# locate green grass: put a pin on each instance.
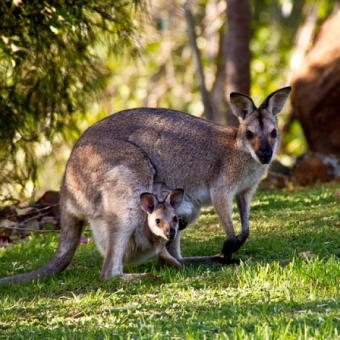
(273, 294)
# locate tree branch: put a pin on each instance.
(208, 112)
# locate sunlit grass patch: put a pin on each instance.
(278, 292)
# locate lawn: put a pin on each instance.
(287, 286)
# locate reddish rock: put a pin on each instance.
(316, 90)
(314, 168)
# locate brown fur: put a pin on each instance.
(122, 156)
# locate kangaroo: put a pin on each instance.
(212, 163)
(122, 156)
(160, 228)
(130, 224)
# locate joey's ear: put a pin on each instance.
(276, 101)
(175, 197)
(149, 202)
(241, 105)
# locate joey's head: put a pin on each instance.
(162, 217)
(258, 131)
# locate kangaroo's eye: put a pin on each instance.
(175, 219)
(274, 134)
(249, 134)
(158, 221)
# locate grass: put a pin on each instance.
(274, 294)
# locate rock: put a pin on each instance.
(278, 177)
(274, 180)
(314, 168)
(316, 91)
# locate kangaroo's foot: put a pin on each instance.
(232, 245)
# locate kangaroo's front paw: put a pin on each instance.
(231, 246)
(240, 240)
(237, 245)
(228, 248)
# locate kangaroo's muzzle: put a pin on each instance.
(265, 153)
(265, 156)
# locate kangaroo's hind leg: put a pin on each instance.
(112, 235)
(113, 258)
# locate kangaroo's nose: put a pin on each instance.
(265, 153)
(265, 156)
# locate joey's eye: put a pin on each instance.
(158, 221)
(175, 219)
(249, 134)
(274, 134)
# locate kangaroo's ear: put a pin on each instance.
(276, 101)
(175, 197)
(149, 202)
(241, 105)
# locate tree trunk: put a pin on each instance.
(237, 57)
(233, 61)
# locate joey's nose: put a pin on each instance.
(171, 234)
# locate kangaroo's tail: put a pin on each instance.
(71, 228)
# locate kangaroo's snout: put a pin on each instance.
(265, 156)
(265, 153)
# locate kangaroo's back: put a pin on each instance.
(145, 126)
(172, 140)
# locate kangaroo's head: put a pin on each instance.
(258, 130)
(162, 216)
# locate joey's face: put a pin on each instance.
(162, 216)
(163, 221)
(260, 135)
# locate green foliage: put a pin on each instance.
(60, 72)
(51, 64)
(276, 25)
(273, 294)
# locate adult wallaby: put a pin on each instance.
(212, 163)
(121, 156)
(132, 218)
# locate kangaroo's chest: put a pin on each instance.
(250, 177)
